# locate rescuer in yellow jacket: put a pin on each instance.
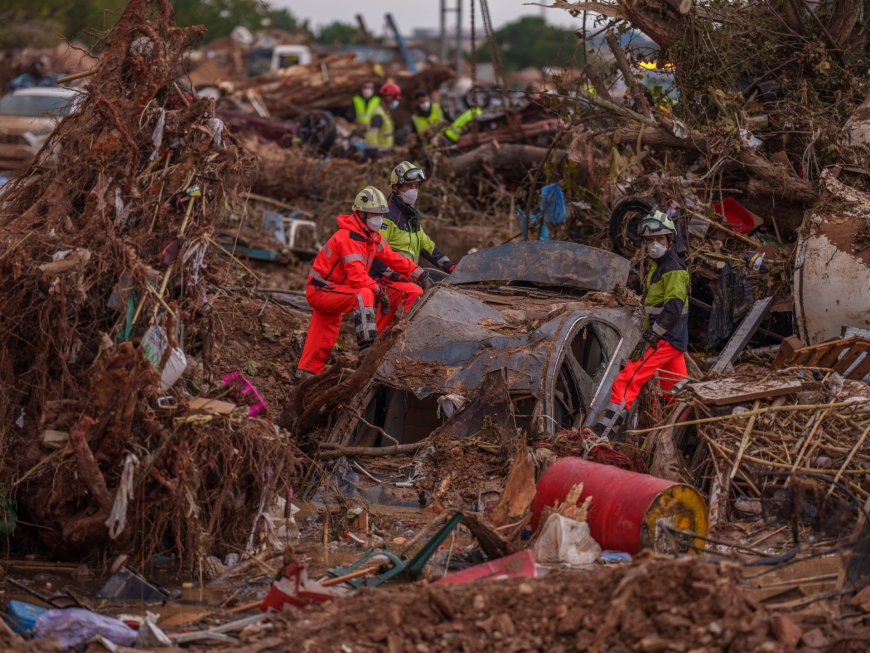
(364, 104)
(428, 117)
(380, 128)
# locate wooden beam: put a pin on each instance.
(741, 337)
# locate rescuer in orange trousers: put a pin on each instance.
(339, 281)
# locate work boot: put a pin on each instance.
(303, 375)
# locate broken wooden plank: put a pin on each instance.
(741, 337)
(727, 391)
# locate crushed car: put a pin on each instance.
(550, 318)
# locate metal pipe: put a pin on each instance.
(442, 30)
(459, 38)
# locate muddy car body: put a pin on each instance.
(540, 317)
(27, 118)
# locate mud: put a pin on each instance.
(654, 605)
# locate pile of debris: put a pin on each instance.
(105, 249)
(655, 605)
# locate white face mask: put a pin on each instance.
(367, 93)
(409, 196)
(656, 249)
(374, 222)
(394, 104)
(425, 107)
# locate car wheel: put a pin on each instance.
(624, 223)
(317, 130)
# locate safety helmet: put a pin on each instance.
(370, 200)
(657, 224)
(406, 172)
(390, 90)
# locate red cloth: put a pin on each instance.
(401, 293)
(349, 253)
(329, 305)
(666, 361)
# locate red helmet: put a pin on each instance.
(390, 90)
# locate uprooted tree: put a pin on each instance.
(104, 251)
(787, 72)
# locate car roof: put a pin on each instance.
(59, 91)
(546, 262)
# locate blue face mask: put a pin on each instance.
(394, 104)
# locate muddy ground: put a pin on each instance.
(653, 605)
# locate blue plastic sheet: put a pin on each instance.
(553, 211)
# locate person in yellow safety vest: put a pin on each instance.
(428, 116)
(379, 132)
(454, 130)
(364, 104)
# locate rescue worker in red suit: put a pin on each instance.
(339, 281)
(665, 325)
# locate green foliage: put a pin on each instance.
(51, 20)
(36, 24)
(530, 41)
(338, 32)
(221, 16)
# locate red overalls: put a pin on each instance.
(339, 283)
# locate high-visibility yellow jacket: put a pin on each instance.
(363, 108)
(454, 131)
(379, 135)
(430, 123)
(666, 301)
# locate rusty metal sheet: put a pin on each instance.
(545, 262)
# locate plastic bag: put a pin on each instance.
(566, 541)
(74, 627)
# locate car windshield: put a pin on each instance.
(48, 106)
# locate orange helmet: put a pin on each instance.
(390, 90)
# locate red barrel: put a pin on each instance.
(625, 505)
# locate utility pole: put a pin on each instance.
(442, 24)
(459, 38)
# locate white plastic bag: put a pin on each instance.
(566, 541)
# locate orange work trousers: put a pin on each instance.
(330, 304)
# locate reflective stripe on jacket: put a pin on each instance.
(379, 135)
(347, 257)
(363, 108)
(454, 131)
(429, 123)
(405, 236)
(666, 302)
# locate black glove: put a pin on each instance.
(651, 338)
(383, 301)
(637, 352)
(424, 281)
(392, 275)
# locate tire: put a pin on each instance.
(317, 130)
(624, 221)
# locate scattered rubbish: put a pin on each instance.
(293, 587)
(389, 566)
(737, 215)
(256, 404)
(127, 585)
(518, 565)
(614, 557)
(22, 616)
(628, 509)
(74, 627)
(565, 541)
